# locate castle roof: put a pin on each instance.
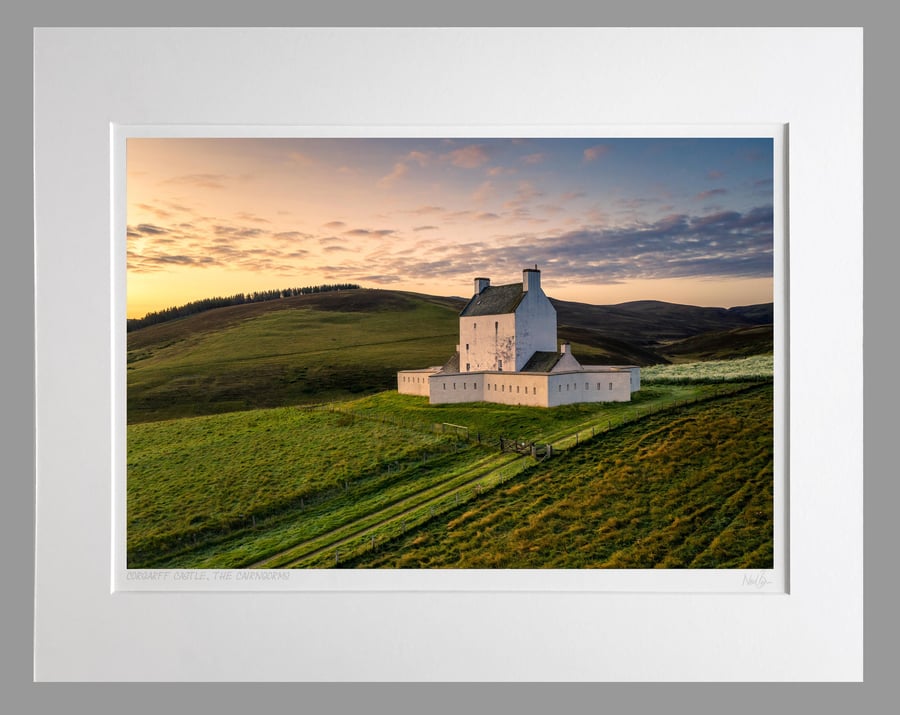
(494, 300)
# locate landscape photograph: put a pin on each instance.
(450, 353)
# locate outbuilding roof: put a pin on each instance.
(541, 361)
(494, 300)
(452, 365)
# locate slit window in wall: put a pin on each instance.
(468, 367)
(500, 365)
(587, 386)
(610, 386)
(598, 385)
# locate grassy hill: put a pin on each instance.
(297, 350)
(343, 344)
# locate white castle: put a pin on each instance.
(508, 353)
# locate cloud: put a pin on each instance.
(237, 231)
(155, 210)
(206, 181)
(425, 228)
(533, 158)
(334, 224)
(244, 216)
(715, 174)
(469, 157)
(386, 182)
(366, 232)
(704, 195)
(401, 168)
(486, 216)
(595, 152)
(291, 235)
(424, 210)
(572, 195)
(720, 244)
(420, 157)
(495, 171)
(148, 229)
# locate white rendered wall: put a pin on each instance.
(516, 388)
(413, 382)
(485, 339)
(456, 388)
(531, 389)
(535, 326)
(567, 388)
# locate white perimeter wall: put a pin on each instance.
(413, 382)
(537, 390)
(568, 387)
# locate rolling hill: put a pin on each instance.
(328, 346)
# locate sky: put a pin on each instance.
(607, 220)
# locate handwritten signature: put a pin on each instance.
(757, 580)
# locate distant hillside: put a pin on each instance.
(652, 323)
(720, 345)
(340, 344)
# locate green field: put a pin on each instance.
(291, 487)
(686, 490)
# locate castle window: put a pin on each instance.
(598, 385)
(464, 386)
(500, 365)
(445, 385)
(560, 387)
(502, 388)
(468, 366)
(587, 386)
(474, 385)
(610, 386)
(567, 386)
(517, 388)
(454, 385)
(467, 346)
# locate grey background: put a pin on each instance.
(17, 435)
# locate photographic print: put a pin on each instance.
(451, 352)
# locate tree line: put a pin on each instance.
(257, 296)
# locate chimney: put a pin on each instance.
(481, 284)
(531, 279)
